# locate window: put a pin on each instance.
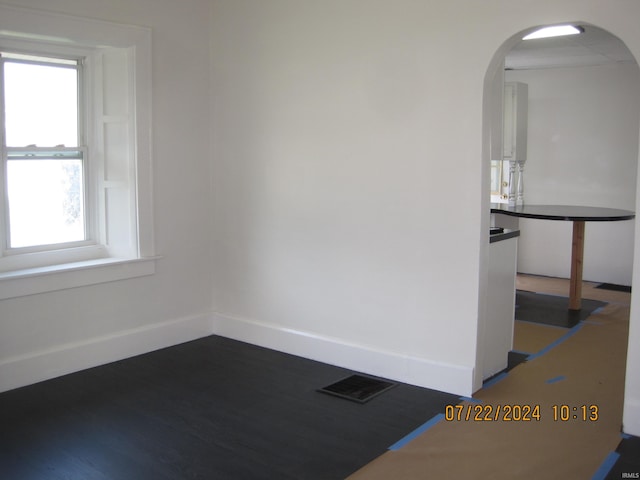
(43, 152)
(75, 176)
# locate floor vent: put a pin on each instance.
(358, 388)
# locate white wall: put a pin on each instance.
(341, 221)
(352, 177)
(582, 150)
(50, 334)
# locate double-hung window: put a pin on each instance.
(44, 156)
(75, 139)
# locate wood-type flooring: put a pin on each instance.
(209, 409)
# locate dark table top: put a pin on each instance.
(564, 212)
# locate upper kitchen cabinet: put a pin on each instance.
(515, 122)
(507, 173)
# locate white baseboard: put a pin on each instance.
(413, 370)
(37, 366)
(43, 365)
(631, 417)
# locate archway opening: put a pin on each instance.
(579, 152)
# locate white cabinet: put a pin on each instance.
(515, 121)
(497, 329)
(516, 110)
(507, 170)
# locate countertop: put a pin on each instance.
(564, 212)
(506, 234)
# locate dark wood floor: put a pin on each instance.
(627, 459)
(209, 409)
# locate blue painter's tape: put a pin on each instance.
(557, 379)
(626, 436)
(417, 432)
(551, 346)
(469, 399)
(606, 466)
(597, 310)
(494, 380)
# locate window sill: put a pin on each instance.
(20, 283)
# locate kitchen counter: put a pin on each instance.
(564, 212)
(505, 234)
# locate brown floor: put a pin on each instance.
(585, 367)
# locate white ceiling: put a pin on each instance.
(592, 47)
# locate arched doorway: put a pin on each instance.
(492, 92)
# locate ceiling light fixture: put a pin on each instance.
(555, 31)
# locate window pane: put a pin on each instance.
(46, 203)
(41, 105)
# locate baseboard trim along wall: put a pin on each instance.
(631, 417)
(35, 367)
(43, 365)
(413, 370)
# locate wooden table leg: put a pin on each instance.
(577, 254)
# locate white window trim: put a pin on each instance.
(32, 281)
(99, 263)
